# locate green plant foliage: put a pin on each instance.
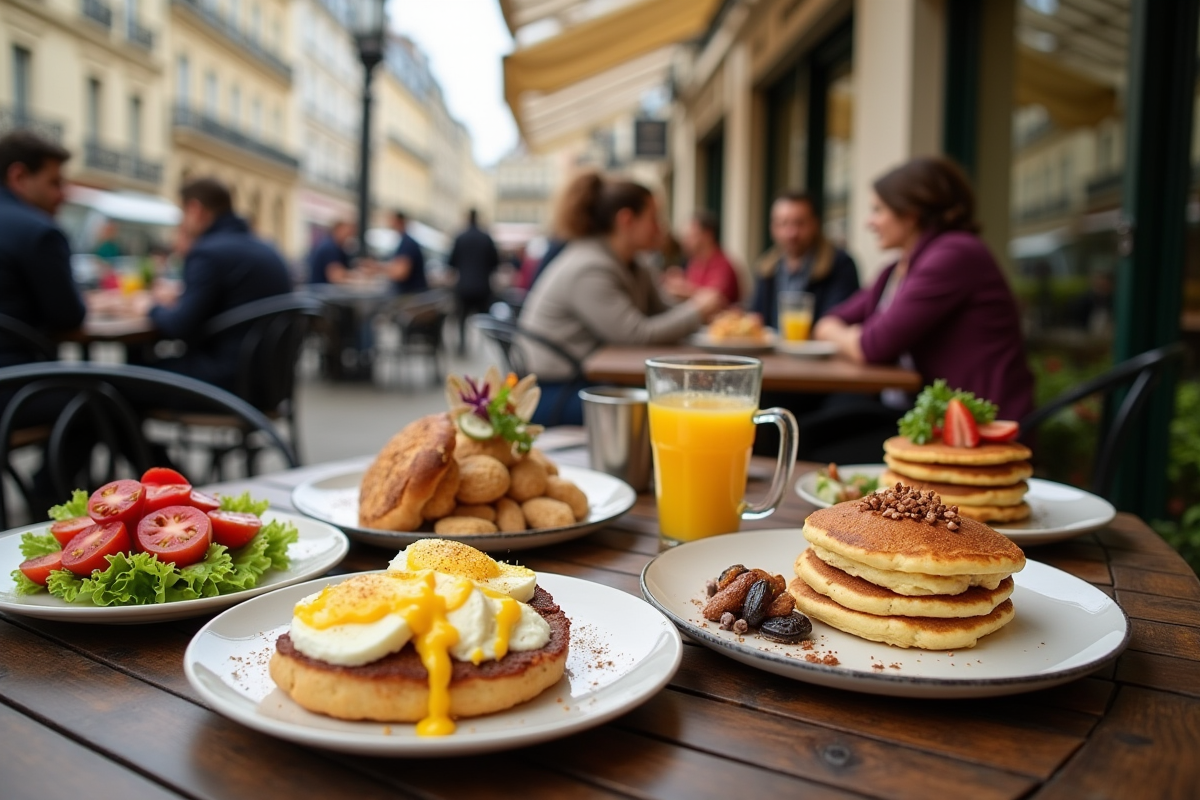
(1184, 535)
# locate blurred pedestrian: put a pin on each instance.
(329, 262)
(944, 307)
(801, 259)
(36, 285)
(475, 258)
(707, 264)
(406, 269)
(225, 267)
(597, 293)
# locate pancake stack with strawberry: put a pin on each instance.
(950, 443)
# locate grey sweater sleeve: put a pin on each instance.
(605, 308)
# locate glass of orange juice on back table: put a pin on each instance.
(702, 416)
(796, 315)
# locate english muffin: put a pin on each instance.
(857, 594)
(938, 452)
(987, 475)
(927, 633)
(405, 474)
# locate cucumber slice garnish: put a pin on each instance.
(476, 427)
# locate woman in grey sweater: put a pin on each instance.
(595, 292)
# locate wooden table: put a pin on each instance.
(626, 366)
(106, 711)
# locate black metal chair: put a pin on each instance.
(509, 337)
(272, 332)
(40, 348)
(421, 321)
(1141, 374)
(108, 402)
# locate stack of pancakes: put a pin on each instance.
(905, 582)
(987, 482)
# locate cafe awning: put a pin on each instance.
(1072, 98)
(593, 68)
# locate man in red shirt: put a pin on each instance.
(707, 265)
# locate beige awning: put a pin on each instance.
(626, 50)
(1071, 98)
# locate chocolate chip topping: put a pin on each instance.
(904, 502)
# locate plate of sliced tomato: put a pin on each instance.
(157, 549)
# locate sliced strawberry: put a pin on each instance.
(1002, 430)
(960, 429)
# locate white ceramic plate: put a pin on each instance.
(1057, 511)
(227, 663)
(334, 499)
(319, 548)
(806, 349)
(1064, 628)
(735, 347)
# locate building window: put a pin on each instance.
(255, 22)
(256, 118)
(235, 106)
(210, 94)
(93, 108)
(235, 13)
(22, 63)
(183, 80)
(135, 123)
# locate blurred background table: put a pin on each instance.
(626, 366)
(109, 706)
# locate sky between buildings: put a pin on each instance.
(465, 41)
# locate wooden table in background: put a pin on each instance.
(626, 366)
(105, 711)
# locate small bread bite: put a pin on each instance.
(546, 512)
(560, 489)
(482, 479)
(497, 448)
(509, 516)
(480, 510)
(463, 526)
(528, 480)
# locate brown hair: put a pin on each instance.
(934, 190)
(210, 193)
(590, 204)
(798, 196)
(707, 221)
(26, 147)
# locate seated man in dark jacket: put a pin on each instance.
(36, 286)
(226, 267)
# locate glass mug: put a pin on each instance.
(702, 416)
(796, 315)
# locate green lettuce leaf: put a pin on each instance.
(34, 545)
(929, 411)
(75, 507)
(278, 536)
(244, 504)
(22, 585)
(65, 584)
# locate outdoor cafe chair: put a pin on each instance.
(107, 403)
(420, 320)
(272, 332)
(509, 337)
(1141, 374)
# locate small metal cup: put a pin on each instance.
(618, 428)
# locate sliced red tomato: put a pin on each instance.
(176, 534)
(38, 569)
(960, 429)
(1002, 430)
(67, 529)
(87, 551)
(157, 476)
(204, 502)
(234, 528)
(119, 501)
(161, 495)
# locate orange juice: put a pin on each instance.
(701, 446)
(796, 325)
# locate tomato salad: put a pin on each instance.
(155, 540)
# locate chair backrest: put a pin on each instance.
(39, 347)
(111, 399)
(509, 337)
(1141, 374)
(273, 331)
(425, 311)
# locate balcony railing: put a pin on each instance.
(131, 165)
(208, 13)
(1045, 209)
(98, 11)
(345, 184)
(185, 117)
(139, 34)
(12, 119)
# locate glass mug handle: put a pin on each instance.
(789, 435)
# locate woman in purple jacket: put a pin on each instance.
(945, 308)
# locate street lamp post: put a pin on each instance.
(369, 26)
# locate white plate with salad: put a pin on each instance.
(134, 588)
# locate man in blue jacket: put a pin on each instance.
(226, 267)
(36, 286)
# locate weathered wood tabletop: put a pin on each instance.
(626, 366)
(105, 711)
